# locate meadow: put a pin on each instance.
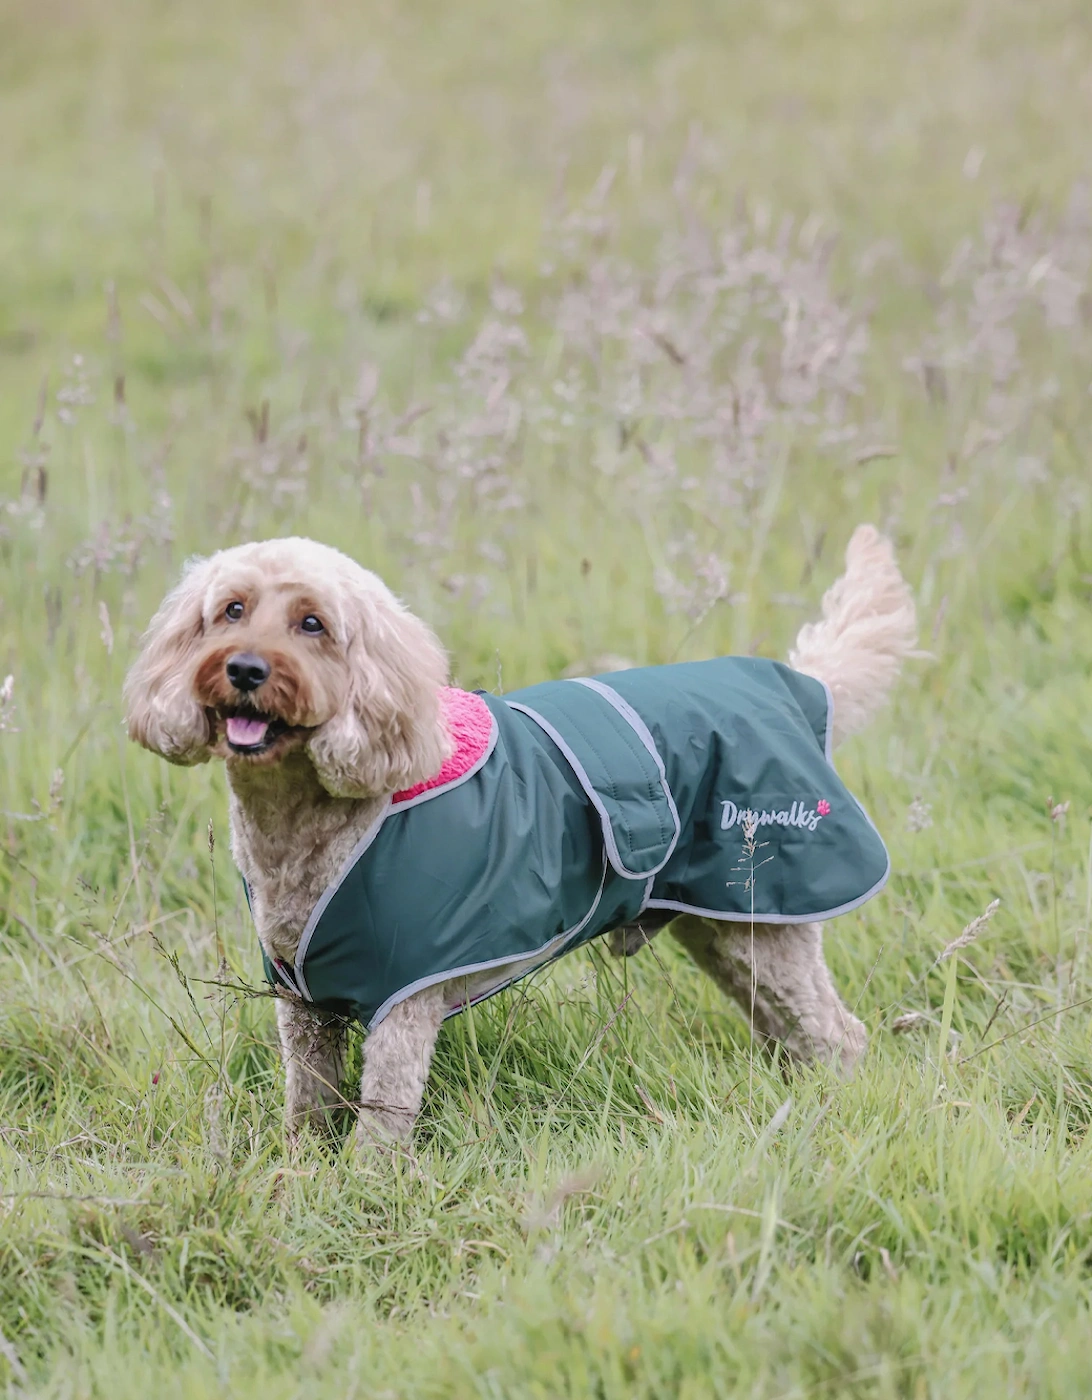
(594, 329)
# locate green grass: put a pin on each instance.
(439, 285)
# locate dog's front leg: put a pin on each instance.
(312, 1046)
(397, 1055)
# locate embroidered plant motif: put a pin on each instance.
(823, 807)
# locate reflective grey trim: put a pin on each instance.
(543, 955)
(641, 729)
(366, 840)
(328, 894)
(794, 918)
(455, 782)
(631, 717)
(593, 796)
(286, 974)
(746, 918)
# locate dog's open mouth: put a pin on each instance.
(249, 733)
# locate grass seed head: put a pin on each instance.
(969, 934)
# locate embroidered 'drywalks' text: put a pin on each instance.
(803, 815)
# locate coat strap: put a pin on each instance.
(610, 750)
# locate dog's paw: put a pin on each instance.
(850, 1046)
(380, 1137)
(839, 1045)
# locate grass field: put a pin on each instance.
(593, 328)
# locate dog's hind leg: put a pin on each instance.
(627, 939)
(778, 976)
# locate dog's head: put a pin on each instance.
(285, 645)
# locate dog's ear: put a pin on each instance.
(160, 710)
(389, 733)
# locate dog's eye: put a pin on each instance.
(312, 624)
(234, 611)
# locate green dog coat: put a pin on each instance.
(573, 807)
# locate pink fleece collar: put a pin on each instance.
(470, 725)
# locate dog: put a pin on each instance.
(328, 701)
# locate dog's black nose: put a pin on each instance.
(246, 671)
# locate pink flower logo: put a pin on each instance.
(823, 807)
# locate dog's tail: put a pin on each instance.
(868, 626)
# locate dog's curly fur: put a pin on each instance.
(357, 717)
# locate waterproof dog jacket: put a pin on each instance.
(572, 807)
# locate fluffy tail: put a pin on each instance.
(869, 625)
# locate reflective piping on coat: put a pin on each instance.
(437, 791)
(793, 919)
(537, 959)
(328, 894)
(362, 845)
(286, 974)
(626, 710)
(594, 798)
(641, 729)
(721, 917)
(635, 722)
(745, 918)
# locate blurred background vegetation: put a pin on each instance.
(595, 329)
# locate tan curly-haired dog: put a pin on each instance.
(322, 694)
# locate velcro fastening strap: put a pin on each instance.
(616, 762)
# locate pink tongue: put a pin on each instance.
(246, 732)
